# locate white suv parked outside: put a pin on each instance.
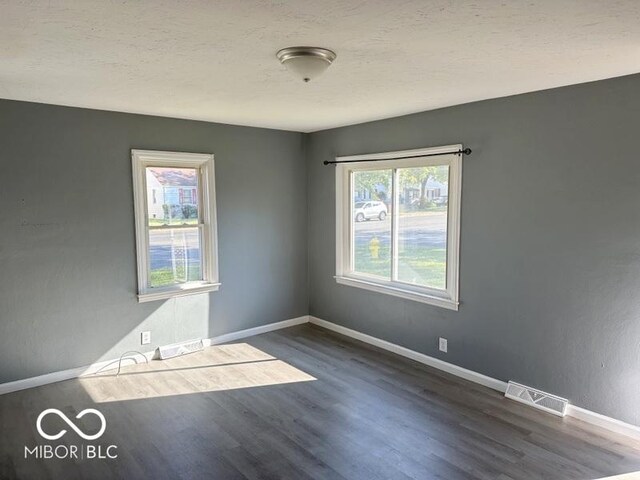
(368, 210)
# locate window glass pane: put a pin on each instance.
(423, 196)
(174, 256)
(371, 221)
(172, 196)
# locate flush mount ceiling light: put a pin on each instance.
(306, 62)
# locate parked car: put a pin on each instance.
(368, 210)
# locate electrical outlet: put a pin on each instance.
(442, 344)
(145, 338)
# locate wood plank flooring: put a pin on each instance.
(302, 403)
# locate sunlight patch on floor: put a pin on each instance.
(216, 368)
(626, 476)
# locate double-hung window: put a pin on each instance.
(175, 212)
(398, 223)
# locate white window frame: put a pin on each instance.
(140, 160)
(447, 298)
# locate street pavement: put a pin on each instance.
(428, 229)
(418, 229)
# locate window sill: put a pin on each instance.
(399, 292)
(163, 294)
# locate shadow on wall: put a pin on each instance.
(175, 320)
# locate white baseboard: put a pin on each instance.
(611, 424)
(112, 364)
(249, 332)
(585, 415)
(62, 375)
(41, 380)
(413, 355)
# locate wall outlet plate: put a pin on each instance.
(442, 344)
(145, 338)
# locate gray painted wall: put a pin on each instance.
(67, 243)
(550, 241)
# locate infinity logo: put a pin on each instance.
(71, 424)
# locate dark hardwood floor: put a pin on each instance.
(301, 403)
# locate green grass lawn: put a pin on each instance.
(418, 265)
(162, 277)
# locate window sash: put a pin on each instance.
(345, 243)
(394, 232)
(202, 262)
(200, 225)
(175, 227)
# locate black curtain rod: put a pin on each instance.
(466, 151)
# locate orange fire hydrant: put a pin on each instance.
(374, 248)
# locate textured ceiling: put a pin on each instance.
(215, 60)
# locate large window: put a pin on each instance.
(174, 196)
(398, 222)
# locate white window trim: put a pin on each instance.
(140, 159)
(448, 298)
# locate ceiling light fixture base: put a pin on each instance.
(306, 62)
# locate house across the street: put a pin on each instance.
(169, 189)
